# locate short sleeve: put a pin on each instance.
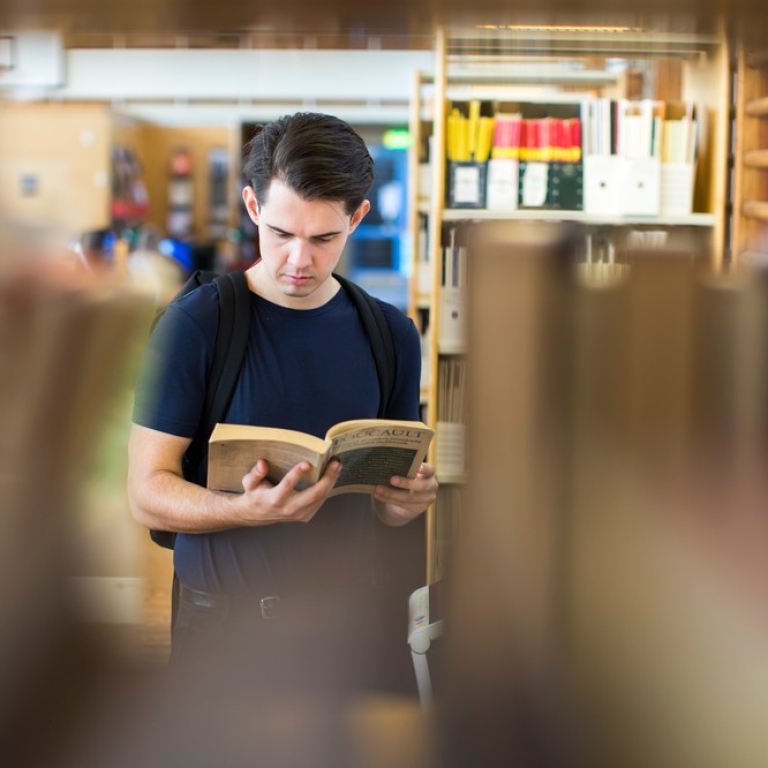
(170, 390)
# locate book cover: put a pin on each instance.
(466, 184)
(371, 452)
(566, 186)
(501, 184)
(533, 184)
(506, 136)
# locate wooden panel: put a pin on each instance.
(750, 198)
(707, 84)
(668, 79)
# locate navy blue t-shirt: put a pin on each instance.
(304, 370)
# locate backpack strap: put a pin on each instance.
(376, 327)
(388, 544)
(228, 356)
(231, 341)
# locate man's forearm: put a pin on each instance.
(167, 502)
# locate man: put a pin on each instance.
(308, 365)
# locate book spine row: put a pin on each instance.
(545, 140)
(507, 160)
(643, 128)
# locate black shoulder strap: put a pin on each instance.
(231, 341)
(228, 356)
(376, 327)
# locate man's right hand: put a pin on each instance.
(161, 499)
(282, 503)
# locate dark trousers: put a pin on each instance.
(318, 644)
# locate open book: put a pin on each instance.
(371, 452)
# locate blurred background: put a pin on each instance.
(571, 204)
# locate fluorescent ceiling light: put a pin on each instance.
(556, 28)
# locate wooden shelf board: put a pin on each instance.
(478, 214)
(755, 209)
(757, 59)
(757, 107)
(756, 158)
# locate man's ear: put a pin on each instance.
(251, 203)
(359, 214)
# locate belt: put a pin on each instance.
(268, 606)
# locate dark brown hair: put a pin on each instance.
(317, 156)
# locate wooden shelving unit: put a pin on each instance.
(466, 66)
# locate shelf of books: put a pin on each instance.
(599, 160)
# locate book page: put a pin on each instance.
(375, 452)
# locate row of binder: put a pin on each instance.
(637, 186)
(600, 184)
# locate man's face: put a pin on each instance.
(301, 242)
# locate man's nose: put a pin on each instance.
(300, 253)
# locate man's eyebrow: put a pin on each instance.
(285, 232)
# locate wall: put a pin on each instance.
(54, 164)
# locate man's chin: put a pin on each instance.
(298, 291)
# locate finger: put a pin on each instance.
(312, 497)
(328, 480)
(413, 485)
(295, 476)
(257, 474)
(333, 470)
(396, 495)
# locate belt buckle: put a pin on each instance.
(270, 606)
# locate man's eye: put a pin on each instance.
(326, 239)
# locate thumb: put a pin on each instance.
(256, 475)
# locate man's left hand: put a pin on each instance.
(406, 498)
